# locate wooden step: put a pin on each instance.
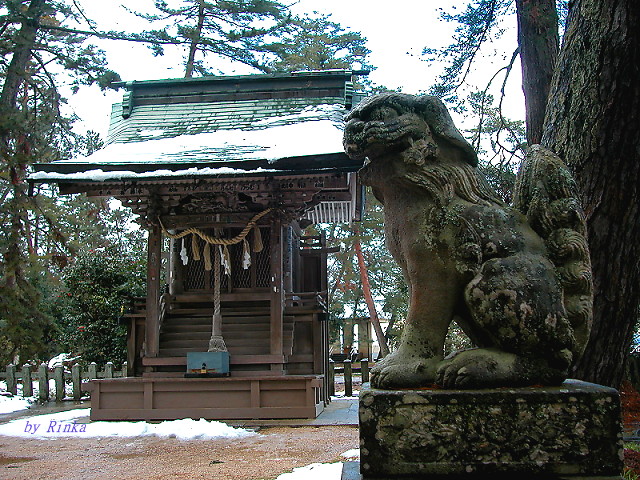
(262, 296)
(204, 335)
(228, 319)
(233, 360)
(185, 328)
(245, 328)
(240, 350)
(257, 338)
(206, 327)
(204, 309)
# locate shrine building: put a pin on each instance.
(225, 173)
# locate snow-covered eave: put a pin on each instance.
(99, 175)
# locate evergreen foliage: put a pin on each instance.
(35, 58)
(506, 139)
(480, 22)
(262, 34)
(243, 31)
(317, 43)
(476, 25)
(95, 292)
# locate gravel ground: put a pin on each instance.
(264, 456)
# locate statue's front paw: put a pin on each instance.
(477, 368)
(398, 372)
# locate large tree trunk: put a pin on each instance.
(593, 122)
(538, 44)
(14, 146)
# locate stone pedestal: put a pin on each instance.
(571, 431)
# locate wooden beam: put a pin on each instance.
(277, 289)
(233, 360)
(154, 250)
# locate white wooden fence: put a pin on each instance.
(76, 377)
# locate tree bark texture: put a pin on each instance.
(593, 122)
(14, 146)
(538, 44)
(16, 71)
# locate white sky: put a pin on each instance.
(396, 32)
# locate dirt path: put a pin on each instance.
(264, 456)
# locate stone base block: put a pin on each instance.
(558, 432)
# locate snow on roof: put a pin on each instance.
(99, 175)
(316, 130)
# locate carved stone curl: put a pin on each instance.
(516, 279)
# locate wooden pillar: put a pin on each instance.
(364, 338)
(277, 290)
(131, 346)
(348, 378)
(326, 358)
(287, 261)
(154, 250)
(27, 384)
(176, 276)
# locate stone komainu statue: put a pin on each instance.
(516, 279)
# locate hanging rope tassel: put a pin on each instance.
(226, 258)
(257, 239)
(246, 255)
(207, 257)
(195, 251)
(183, 254)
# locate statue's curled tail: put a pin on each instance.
(546, 193)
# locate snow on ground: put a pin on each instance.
(64, 424)
(321, 471)
(353, 454)
(14, 403)
(315, 471)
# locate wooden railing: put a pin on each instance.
(306, 300)
(76, 376)
(350, 370)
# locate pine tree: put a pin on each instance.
(317, 43)
(243, 31)
(33, 128)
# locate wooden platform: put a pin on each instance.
(154, 398)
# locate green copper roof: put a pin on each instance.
(178, 125)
